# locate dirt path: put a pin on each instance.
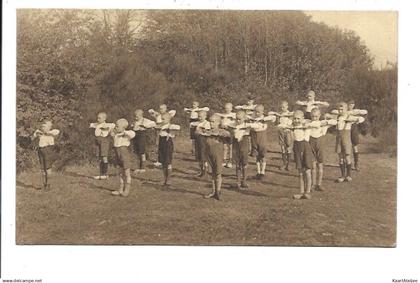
(80, 210)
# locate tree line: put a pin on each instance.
(73, 63)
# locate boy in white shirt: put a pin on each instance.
(240, 132)
(102, 130)
(157, 115)
(355, 134)
(214, 148)
(285, 135)
(140, 126)
(318, 130)
(303, 154)
(228, 117)
(166, 146)
(45, 150)
(249, 109)
(201, 153)
(194, 118)
(260, 138)
(343, 146)
(122, 140)
(311, 103)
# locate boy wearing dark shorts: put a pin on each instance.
(343, 146)
(240, 133)
(227, 118)
(166, 145)
(260, 138)
(355, 135)
(122, 139)
(140, 127)
(318, 130)
(45, 150)
(200, 142)
(303, 154)
(103, 141)
(214, 148)
(194, 118)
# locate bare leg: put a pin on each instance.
(218, 186)
(127, 175)
(308, 181)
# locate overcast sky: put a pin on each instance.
(378, 30)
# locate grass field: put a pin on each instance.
(80, 210)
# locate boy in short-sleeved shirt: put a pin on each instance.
(201, 154)
(122, 139)
(103, 141)
(311, 103)
(194, 118)
(214, 148)
(46, 137)
(140, 126)
(227, 118)
(285, 136)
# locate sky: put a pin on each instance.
(378, 30)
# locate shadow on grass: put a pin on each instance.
(171, 188)
(91, 185)
(248, 192)
(26, 186)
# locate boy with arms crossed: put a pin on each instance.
(194, 118)
(122, 138)
(285, 135)
(102, 131)
(140, 127)
(45, 150)
(200, 141)
(214, 148)
(166, 146)
(227, 118)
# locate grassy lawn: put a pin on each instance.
(80, 210)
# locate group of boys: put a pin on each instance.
(225, 138)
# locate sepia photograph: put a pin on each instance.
(206, 127)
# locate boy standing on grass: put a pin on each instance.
(355, 134)
(45, 150)
(157, 115)
(227, 118)
(343, 146)
(166, 145)
(122, 138)
(201, 154)
(140, 127)
(260, 138)
(214, 148)
(285, 135)
(249, 109)
(311, 103)
(303, 154)
(240, 132)
(194, 118)
(318, 130)
(102, 130)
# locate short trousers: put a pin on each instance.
(46, 157)
(241, 151)
(285, 141)
(166, 149)
(317, 146)
(200, 148)
(140, 142)
(123, 157)
(303, 155)
(215, 156)
(355, 134)
(104, 144)
(343, 142)
(260, 144)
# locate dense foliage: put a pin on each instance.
(73, 63)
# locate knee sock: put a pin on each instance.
(343, 169)
(101, 168)
(263, 165)
(289, 158)
(105, 168)
(348, 167)
(356, 158)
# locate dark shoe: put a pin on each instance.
(356, 167)
(258, 176)
(262, 176)
(244, 185)
(319, 188)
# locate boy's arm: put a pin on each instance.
(149, 124)
(322, 103)
(53, 132)
(359, 112)
(239, 107)
(172, 113)
(174, 127)
(334, 112)
(204, 109)
(130, 134)
(37, 133)
(301, 103)
(93, 125)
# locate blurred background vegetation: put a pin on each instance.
(73, 63)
